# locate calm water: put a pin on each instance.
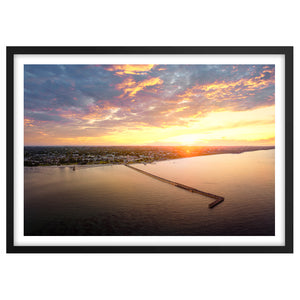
(116, 200)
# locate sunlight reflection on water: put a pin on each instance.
(115, 200)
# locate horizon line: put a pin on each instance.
(149, 145)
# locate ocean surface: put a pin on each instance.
(116, 200)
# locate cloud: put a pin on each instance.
(28, 122)
(231, 90)
(130, 87)
(97, 99)
(129, 69)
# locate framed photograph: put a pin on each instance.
(149, 149)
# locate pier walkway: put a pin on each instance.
(218, 199)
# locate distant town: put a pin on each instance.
(77, 155)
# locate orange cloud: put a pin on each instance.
(130, 87)
(172, 111)
(130, 69)
(28, 123)
(232, 90)
(42, 133)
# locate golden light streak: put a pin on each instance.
(130, 87)
(172, 111)
(226, 126)
(130, 69)
(252, 125)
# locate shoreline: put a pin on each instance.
(140, 163)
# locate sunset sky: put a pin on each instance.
(149, 104)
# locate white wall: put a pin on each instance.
(148, 23)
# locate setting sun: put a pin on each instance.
(149, 150)
(149, 105)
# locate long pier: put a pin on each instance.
(218, 199)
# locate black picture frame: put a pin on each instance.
(287, 52)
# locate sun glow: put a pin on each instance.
(224, 127)
(185, 140)
(150, 105)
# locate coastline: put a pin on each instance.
(85, 166)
